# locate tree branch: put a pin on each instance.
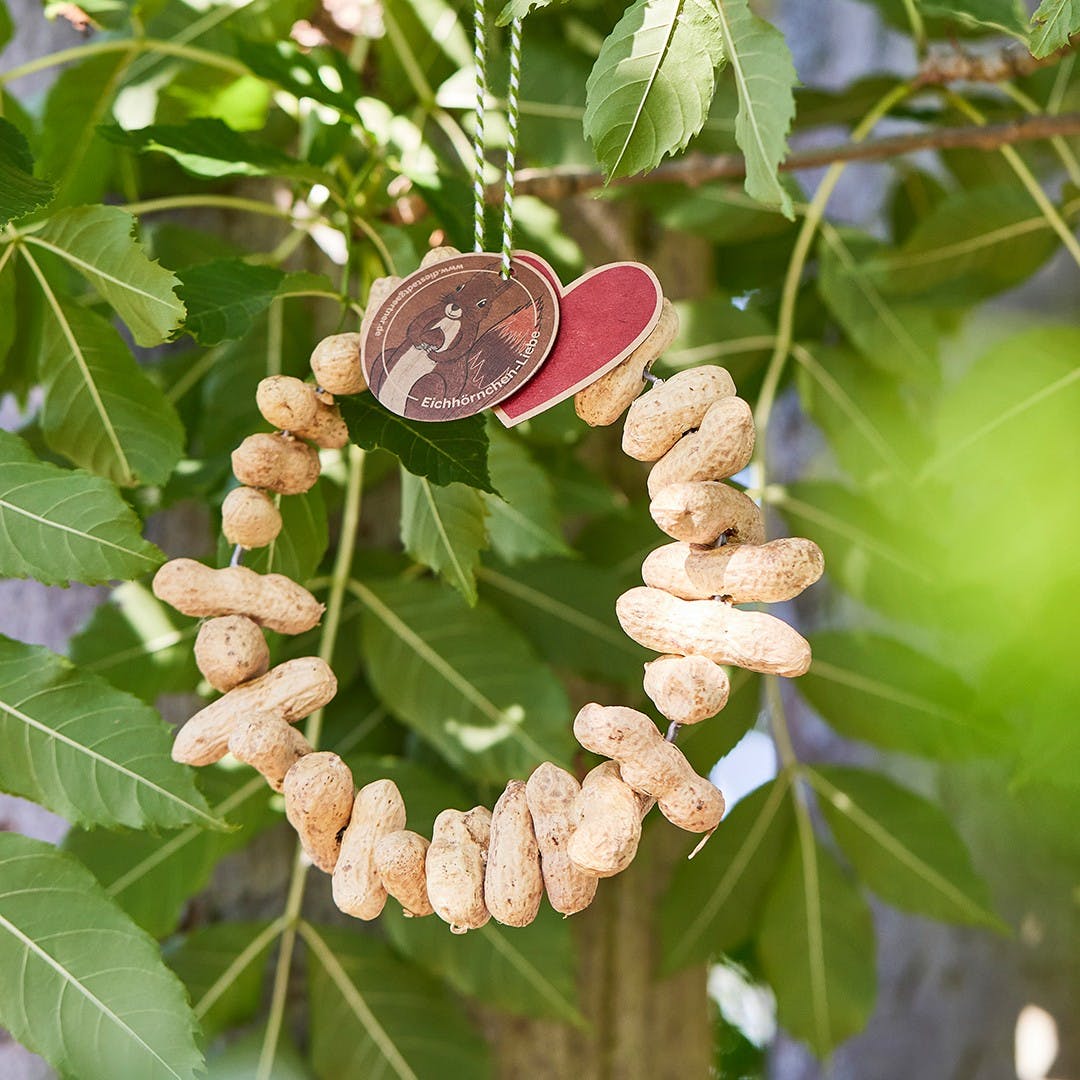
(1014, 62)
(563, 181)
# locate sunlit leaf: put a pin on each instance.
(59, 526)
(463, 679)
(373, 1015)
(20, 191)
(816, 945)
(85, 751)
(84, 987)
(444, 453)
(225, 297)
(902, 846)
(1054, 22)
(322, 75)
(765, 78)
(650, 89)
(101, 411)
(529, 971)
(444, 528)
(714, 902)
(518, 9)
(97, 241)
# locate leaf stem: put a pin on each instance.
(1061, 147)
(239, 962)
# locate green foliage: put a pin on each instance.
(650, 90)
(93, 997)
(198, 183)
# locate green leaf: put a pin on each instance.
(765, 79)
(518, 9)
(220, 966)
(529, 971)
(321, 75)
(714, 902)
(9, 325)
(59, 526)
(138, 644)
(372, 1015)
(443, 527)
(463, 679)
(89, 753)
(84, 987)
(206, 146)
(1053, 23)
(225, 297)
(706, 743)
(898, 338)
(299, 548)
(445, 453)
(567, 610)
(874, 689)
(70, 151)
(101, 411)
(816, 945)
(1005, 16)
(20, 192)
(973, 244)
(650, 89)
(98, 242)
(7, 28)
(152, 877)
(902, 846)
(523, 523)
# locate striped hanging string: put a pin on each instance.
(512, 95)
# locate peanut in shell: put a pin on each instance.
(513, 883)
(756, 573)
(249, 518)
(608, 829)
(269, 745)
(278, 463)
(455, 865)
(686, 689)
(286, 402)
(378, 810)
(318, 803)
(231, 650)
(400, 859)
(335, 364)
(701, 511)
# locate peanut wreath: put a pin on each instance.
(549, 832)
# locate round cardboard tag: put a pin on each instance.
(456, 338)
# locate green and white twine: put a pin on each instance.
(512, 94)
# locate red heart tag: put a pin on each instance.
(603, 316)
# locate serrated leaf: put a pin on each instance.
(372, 1015)
(443, 528)
(207, 146)
(765, 79)
(101, 411)
(20, 191)
(904, 848)
(816, 945)
(530, 971)
(650, 89)
(445, 453)
(462, 678)
(299, 548)
(225, 297)
(518, 9)
(222, 968)
(138, 644)
(59, 525)
(714, 901)
(1054, 22)
(522, 521)
(98, 242)
(93, 755)
(567, 610)
(84, 987)
(152, 877)
(875, 689)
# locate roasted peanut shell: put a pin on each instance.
(602, 402)
(513, 883)
(455, 866)
(318, 803)
(277, 463)
(231, 650)
(712, 628)
(665, 568)
(400, 859)
(335, 364)
(269, 745)
(721, 447)
(271, 600)
(378, 810)
(249, 518)
(686, 689)
(286, 402)
(290, 692)
(608, 830)
(551, 794)
(764, 573)
(663, 414)
(701, 511)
